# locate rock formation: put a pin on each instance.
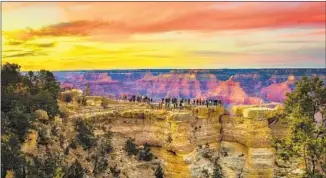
(241, 142)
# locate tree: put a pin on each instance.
(146, 154)
(47, 81)
(130, 147)
(41, 115)
(46, 101)
(58, 173)
(104, 103)
(85, 135)
(103, 148)
(159, 172)
(11, 156)
(217, 171)
(307, 139)
(10, 74)
(68, 98)
(21, 96)
(100, 164)
(75, 170)
(88, 91)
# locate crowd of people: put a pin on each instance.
(139, 99)
(174, 102)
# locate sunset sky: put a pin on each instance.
(134, 35)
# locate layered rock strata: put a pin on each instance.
(175, 137)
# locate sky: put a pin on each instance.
(140, 35)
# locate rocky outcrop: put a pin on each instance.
(175, 137)
(250, 128)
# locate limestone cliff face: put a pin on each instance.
(250, 128)
(174, 134)
(175, 137)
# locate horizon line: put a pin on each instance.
(76, 70)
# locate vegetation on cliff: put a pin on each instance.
(130, 147)
(145, 153)
(23, 99)
(159, 172)
(39, 141)
(306, 111)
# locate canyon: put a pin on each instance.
(232, 86)
(190, 142)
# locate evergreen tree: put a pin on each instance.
(146, 154)
(75, 170)
(88, 91)
(130, 147)
(308, 134)
(85, 134)
(21, 96)
(217, 172)
(159, 172)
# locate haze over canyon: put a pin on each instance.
(232, 86)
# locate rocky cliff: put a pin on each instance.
(180, 138)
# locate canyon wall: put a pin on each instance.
(176, 137)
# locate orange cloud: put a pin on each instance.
(98, 18)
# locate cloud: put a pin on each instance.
(295, 41)
(15, 43)
(20, 54)
(251, 17)
(152, 55)
(68, 28)
(210, 53)
(319, 32)
(312, 53)
(131, 18)
(43, 45)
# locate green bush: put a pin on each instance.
(217, 171)
(130, 147)
(75, 170)
(68, 98)
(104, 103)
(41, 115)
(146, 154)
(101, 164)
(85, 135)
(159, 172)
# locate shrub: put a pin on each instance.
(58, 173)
(146, 154)
(104, 144)
(101, 164)
(68, 98)
(130, 147)
(159, 172)
(75, 170)
(169, 140)
(115, 171)
(73, 144)
(85, 135)
(82, 100)
(217, 171)
(44, 135)
(104, 103)
(41, 115)
(10, 174)
(64, 111)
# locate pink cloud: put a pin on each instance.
(127, 18)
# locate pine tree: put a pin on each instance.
(159, 173)
(146, 154)
(130, 147)
(307, 139)
(88, 91)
